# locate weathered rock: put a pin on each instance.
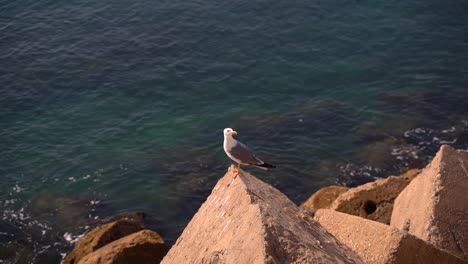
(378, 154)
(374, 200)
(101, 236)
(245, 220)
(379, 243)
(138, 217)
(323, 198)
(434, 206)
(143, 247)
(65, 210)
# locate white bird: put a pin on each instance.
(240, 153)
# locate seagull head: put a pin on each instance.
(228, 132)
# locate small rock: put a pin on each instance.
(143, 247)
(65, 210)
(101, 236)
(134, 216)
(378, 154)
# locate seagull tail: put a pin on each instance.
(265, 166)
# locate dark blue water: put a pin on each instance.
(109, 107)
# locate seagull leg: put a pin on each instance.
(236, 172)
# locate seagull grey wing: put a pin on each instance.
(244, 154)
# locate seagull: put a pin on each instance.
(240, 153)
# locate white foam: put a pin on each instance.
(71, 238)
(452, 129)
(18, 189)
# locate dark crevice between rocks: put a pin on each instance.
(369, 207)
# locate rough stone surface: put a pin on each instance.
(245, 220)
(434, 207)
(101, 236)
(143, 247)
(379, 243)
(323, 198)
(374, 200)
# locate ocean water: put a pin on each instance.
(108, 107)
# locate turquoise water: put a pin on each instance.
(118, 106)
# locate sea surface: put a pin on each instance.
(109, 107)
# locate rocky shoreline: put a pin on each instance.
(418, 217)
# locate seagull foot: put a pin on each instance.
(236, 172)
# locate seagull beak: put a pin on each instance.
(234, 132)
